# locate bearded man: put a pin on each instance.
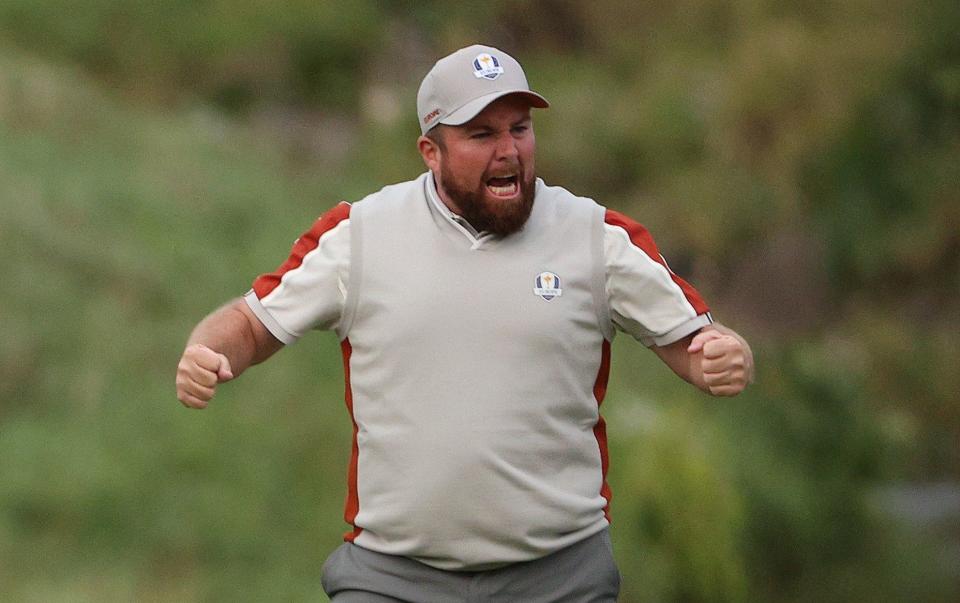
(475, 306)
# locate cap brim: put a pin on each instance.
(474, 107)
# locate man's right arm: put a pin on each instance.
(222, 346)
(306, 292)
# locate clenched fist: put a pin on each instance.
(199, 372)
(727, 362)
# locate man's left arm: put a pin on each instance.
(649, 301)
(716, 359)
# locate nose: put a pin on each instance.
(507, 146)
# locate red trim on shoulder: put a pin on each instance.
(352, 505)
(307, 242)
(640, 237)
(600, 429)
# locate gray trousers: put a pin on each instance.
(581, 573)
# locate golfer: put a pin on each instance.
(475, 306)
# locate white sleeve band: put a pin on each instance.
(268, 321)
(678, 333)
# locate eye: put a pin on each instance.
(479, 135)
(520, 129)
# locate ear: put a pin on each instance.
(430, 152)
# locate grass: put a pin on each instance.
(122, 225)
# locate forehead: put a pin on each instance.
(508, 109)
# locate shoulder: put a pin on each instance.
(334, 221)
(614, 218)
(563, 198)
(333, 216)
(392, 194)
(557, 205)
(622, 230)
(615, 223)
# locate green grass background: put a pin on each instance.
(798, 163)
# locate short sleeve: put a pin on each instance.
(647, 300)
(308, 290)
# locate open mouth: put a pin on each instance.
(504, 186)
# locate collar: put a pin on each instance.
(476, 238)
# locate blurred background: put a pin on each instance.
(797, 161)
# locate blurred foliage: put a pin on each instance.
(797, 161)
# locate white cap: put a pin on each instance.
(462, 84)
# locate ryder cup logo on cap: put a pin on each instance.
(462, 84)
(487, 65)
(547, 285)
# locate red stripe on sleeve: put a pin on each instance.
(266, 283)
(640, 237)
(352, 505)
(600, 429)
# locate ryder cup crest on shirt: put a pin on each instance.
(487, 65)
(547, 285)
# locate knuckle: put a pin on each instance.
(724, 391)
(193, 402)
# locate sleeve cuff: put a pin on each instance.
(681, 331)
(253, 302)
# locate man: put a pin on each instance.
(475, 307)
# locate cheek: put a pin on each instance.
(467, 167)
(527, 152)
(473, 173)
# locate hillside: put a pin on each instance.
(799, 167)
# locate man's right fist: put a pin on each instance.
(199, 372)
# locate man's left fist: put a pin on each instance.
(727, 362)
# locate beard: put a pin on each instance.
(499, 217)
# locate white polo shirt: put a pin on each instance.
(476, 364)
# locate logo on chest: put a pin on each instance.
(547, 286)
